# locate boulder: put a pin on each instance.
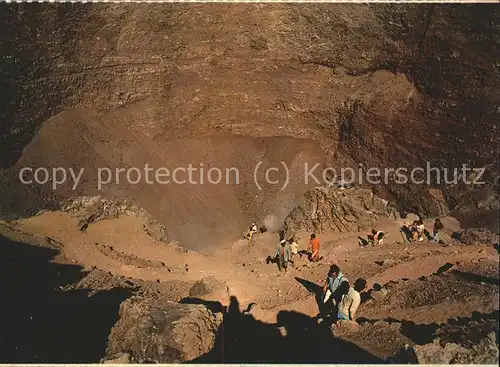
(120, 358)
(210, 289)
(386, 262)
(330, 209)
(166, 332)
(484, 352)
(389, 262)
(380, 294)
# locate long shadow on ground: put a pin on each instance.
(314, 288)
(475, 277)
(426, 333)
(243, 339)
(42, 324)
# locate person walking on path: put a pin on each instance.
(282, 256)
(314, 248)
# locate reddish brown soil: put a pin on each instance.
(121, 86)
(121, 247)
(118, 254)
(230, 85)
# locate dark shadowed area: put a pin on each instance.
(41, 323)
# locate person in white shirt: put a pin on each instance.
(351, 300)
(294, 246)
(251, 231)
(376, 238)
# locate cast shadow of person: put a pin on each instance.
(363, 242)
(41, 322)
(428, 235)
(406, 232)
(294, 338)
(315, 289)
(281, 234)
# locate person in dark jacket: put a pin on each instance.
(282, 256)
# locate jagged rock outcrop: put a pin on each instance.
(478, 236)
(484, 352)
(163, 333)
(466, 342)
(420, 199)
(478, 205)
(338, 210)
(91, 209)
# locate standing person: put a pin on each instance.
(420, 229)
(252, 230)
(314, 248)
(294, 247)
(438, 229)
(351, 300)
(332, 283)
(283, 255)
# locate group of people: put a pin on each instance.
(288, 250)
(340, 299)
(417, 230)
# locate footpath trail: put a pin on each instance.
(121, 247)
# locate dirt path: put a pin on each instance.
(121, 247)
